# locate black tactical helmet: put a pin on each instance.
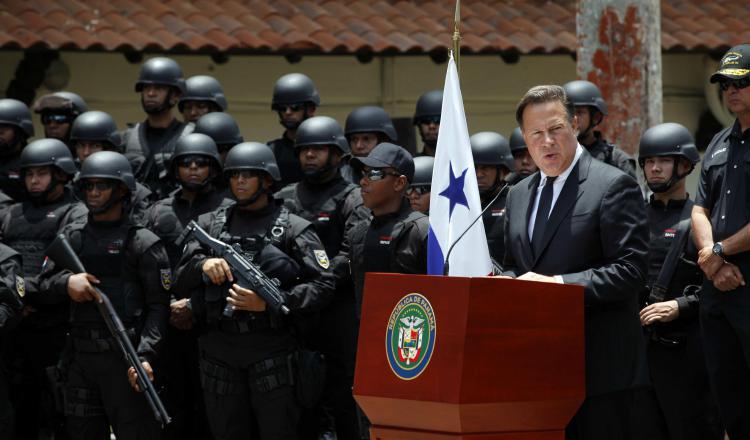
(252, 156)
(163, 71)
(195, 144)
(67, 102)
(582, 93)
(490, 148)
(221, 127)
(429, 105)
(203, 88)
(44, 152)
(15, 113)
(294, 88)
(370, 119)
(96, 126)
(517, 142)
(108, 165)
(668, 139)
(321, 130)
(423, 171)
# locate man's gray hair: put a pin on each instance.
(544, 94)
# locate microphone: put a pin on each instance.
(446, 265)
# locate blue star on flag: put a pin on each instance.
(455, 191)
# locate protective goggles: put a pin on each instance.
(60, 118)
(292, 107)
(429, 120)
(419, 190)
(199, 161)
(737, 83)
(101, 185)
(375, 174)
(245, 174)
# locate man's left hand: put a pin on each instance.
(531, 276)
(660, 312)
(133, 377)
(245, 299)
(709, 262)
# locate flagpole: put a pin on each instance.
(457, 37)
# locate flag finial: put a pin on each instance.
(457, 35)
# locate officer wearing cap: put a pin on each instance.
(329, 202)
(129, 264)
(29, 227)
(15, 130)
(365, 128)
(149, 144)
(522, 160)
(493, 163)
(195, 165)
(590, 111)
(247, 359)
(222, 128)
(12, 290)
(204, 95)
(720, 229)
(667, 155)
(418, 191)
(58, 111)
(427, 119)
(295, 99)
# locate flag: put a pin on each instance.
(454, 199)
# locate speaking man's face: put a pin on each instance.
(550, 136)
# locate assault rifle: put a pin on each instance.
(247, 274)
(64, 256)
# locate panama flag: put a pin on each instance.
(454, 199)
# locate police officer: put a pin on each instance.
(149, 144)
(15, 129)
(204, 95)
(365, 128)
(12, 290)
(95, 131)
(195, 165)
(328, 201)
(427, 120)
(129, 264)
(720, 223)
(58, 111)
(295, 99)
(5, 202)
(247, 359)
(667, 155)
(590, 111)
(222, 128)
(493, 163)
(29, 227)
(522, 160)
(419, 189)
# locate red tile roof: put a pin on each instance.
(341, 26)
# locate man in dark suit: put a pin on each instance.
(580, 221)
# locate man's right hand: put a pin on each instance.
(709, 262)
(80, 288)
(728, 277)
(217, 270)
(180, 315)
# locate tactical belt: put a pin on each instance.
(264, 376)
(252, 323)
(82, 402)
(95, 340)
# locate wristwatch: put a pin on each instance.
(718, 249)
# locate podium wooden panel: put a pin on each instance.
(508, 361)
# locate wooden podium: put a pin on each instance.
(448, 358)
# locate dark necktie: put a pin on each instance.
(542, 213)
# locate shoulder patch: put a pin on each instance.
(165, 275)
(20, 286)
(322, 258)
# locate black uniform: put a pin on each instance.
(350, 174)
(287, 159)
(246, 360)
(134, 271)
(5, 202)
(612, 155)
(494, 220)
(11, 182)
(724, 190)
(12, 289)
(331, 207)
(675, 354)
(36, 344)
(149, 149)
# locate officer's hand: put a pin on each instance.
(217, 270)
(709, 262)
(728, 278)
(660, 312)
(133, 377)
(80, 288)
(532, 276)
(180, 315)
(245, 299)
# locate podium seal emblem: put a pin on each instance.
(410, 337)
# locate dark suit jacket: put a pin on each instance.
(597, 237)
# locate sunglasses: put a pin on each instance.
(292, 107)
(429, 120)
(737, 83)
(375, 174)
(245, 174)
(199, 161)
(100, 186)
(419, 190)
(60, 118)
